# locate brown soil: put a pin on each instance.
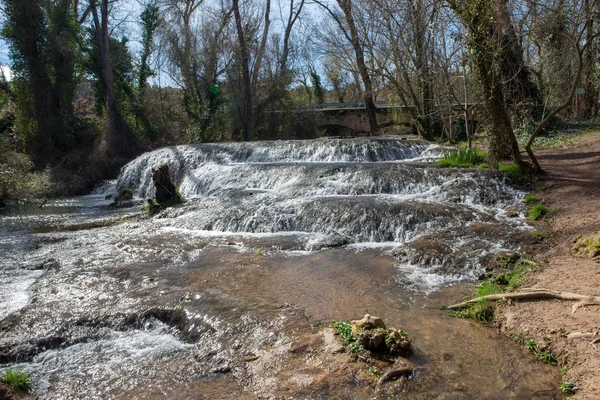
(571, 187)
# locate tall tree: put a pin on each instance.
(118, 139)
(42, 35)
(484, 42)
(350, 31)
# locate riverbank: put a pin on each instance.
(571, 188)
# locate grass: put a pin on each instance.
(537, 212)
(531, 199)
(481, 311)
(16, 379)
(463, 157)
(519, 176)
(587, 246)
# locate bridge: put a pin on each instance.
(351, 118)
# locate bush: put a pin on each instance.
(16, 379)
(17, 179)
(531, 199)
(463, 157)
(538, 212)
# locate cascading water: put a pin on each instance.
(209, 296)
(337, 191)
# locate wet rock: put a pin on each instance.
(398, 343)
(368, 322)
(373, 339)
(45, 265)
(123, 200)
(165, 189)
(331, 343)
(513, 212)
(372, 334)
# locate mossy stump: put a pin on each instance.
(166, 192)
(372, 334)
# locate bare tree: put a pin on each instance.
(350, 31)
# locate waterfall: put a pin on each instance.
(349, 191)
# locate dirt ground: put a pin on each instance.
(571, 188)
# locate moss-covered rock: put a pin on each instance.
(587, 245)
(368, 322)
(372, 334)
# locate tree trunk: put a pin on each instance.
(346, 6)
(118, 140)
(589, 104)
(520, 92)
(247, 117)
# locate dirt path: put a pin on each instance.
(571, 188)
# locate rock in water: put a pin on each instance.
(165, 189)
(371, 333)
(368, 322)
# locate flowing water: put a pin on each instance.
(228, 295)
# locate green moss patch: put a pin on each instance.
(587, 246)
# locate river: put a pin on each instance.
(229, 294)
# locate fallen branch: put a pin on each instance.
(581, 335)
(396, 373)
(586, 335)
(534, 294)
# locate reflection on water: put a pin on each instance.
(229, 295)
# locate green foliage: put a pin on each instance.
(17, 179)
(43, 49)
(344, 331)
(17, 379)
(547, 357)
(587, 245)
(531, 199)
(374, 371)
(567, 388)
(538, 212)
(153, 207)
(513, 278)
(531, 345)
(150, 21)
(518, 175)
(481, 310)
(463, 157)
(317, 87)
(540, 235)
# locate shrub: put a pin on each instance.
(17, 179)
(547, 357)
(538, 212)
(531, 199)
(16, 379)
(463, 157)
(567, 388)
